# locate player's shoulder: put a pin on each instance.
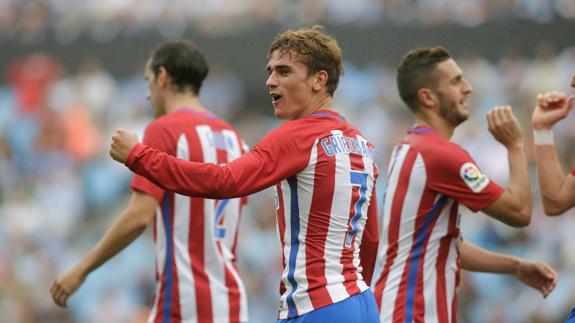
(436, 151)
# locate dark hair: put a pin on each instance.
(184, 63)
(316, 50)
(417, 71)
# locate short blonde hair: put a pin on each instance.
(315, 49)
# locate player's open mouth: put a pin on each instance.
(276, 97)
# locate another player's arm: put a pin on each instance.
(534, 274)
(514, 206)
(369, 241)
(127, 227)
(266, 164)
(557, 190)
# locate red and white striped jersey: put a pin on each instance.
(325, 173)
(427, 180)
(196, 272)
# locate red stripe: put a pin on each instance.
(347, 255)
(196, 252)
(318, 227)
(419, 301)
(281, 229)
(162, 295)
(394, 224)
(175, 314)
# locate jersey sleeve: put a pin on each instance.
(369, 241)
(281, 154)
(573, 171)
(454, 173)
(156, 138)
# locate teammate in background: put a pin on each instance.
(557, 190)
(324, 174)
(429, 177)
(196, 272)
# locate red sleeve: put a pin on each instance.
(281, 154)
(156, 138)
(573, 172)
(369, 241)
(453, 172)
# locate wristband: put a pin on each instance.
(543, 137)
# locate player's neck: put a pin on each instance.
(438, 124)
(178, 101)
(324, 103)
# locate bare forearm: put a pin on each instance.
(474, 258)
(550, 176)
(519, 185)
(122, 232)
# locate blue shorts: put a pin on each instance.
(571, 318)
(359, 308)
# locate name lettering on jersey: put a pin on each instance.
(473, 177)
(219, 141)
(340, 144)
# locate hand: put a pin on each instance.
(551, 108)
(537, 275)
(122, 142)
(65, 285)
(504, 126)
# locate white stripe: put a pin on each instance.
(450, 276)
(368, 168)
(187, 292)
(160, 259)
(286, 194)
(231, 222)
(212, 260)
(409, 211)
(305, 186)
(338, 228)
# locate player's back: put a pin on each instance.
(322, 212)
(418, 244)
(195, 238)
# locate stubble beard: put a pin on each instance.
(450, 112)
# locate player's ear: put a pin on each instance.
(319, 80)
(163, 78)
(426, 97)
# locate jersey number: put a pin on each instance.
(356, 179)
(219, 229)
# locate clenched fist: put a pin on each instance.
(551, 108)
(122, 142)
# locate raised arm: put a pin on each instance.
(534, 274)
(514, 206)
(262, 167)
(557, 190)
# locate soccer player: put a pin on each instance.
(557, 190)
(324, 174)
(421, 248)
(196, 272)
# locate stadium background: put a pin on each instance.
(71, 73)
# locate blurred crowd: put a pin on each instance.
(59, 190)
(30, 21)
